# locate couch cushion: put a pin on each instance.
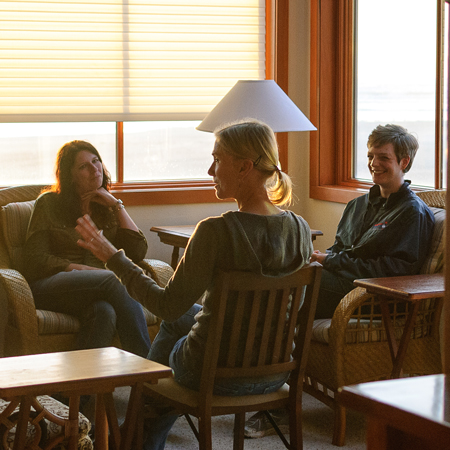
(14, 219)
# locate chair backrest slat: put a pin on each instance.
(267, 328)
(278, 348)
(238, 313)
(254, 298)
(263, 316)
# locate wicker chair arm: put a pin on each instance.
(344, 312)
(22, 316)
(160, 271)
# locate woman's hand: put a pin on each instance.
(318, 256)
(104, 197)
(100, 195)
(93, 239)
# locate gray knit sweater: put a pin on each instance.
(271, 245)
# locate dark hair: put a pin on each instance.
(68, 199)
(64, 164)
(405, 144)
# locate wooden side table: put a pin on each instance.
(405, 414)
(413, 289)
(178, 236)
(97, 371)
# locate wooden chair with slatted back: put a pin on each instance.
(264, 317)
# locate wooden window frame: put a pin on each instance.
(202, 191)
(331, 103)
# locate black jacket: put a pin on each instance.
(377, 239)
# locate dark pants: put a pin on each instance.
(332, 289)
(101, 303)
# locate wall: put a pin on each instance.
(148, 216)
(319, 214)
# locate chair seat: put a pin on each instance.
(221, 404)
(51, 322)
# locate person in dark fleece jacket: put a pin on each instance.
(384, 233)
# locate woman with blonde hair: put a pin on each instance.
(259, 237)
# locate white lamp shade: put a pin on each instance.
(257, 99)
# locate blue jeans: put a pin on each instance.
(167, 349)
(332, 289)
(102, 305)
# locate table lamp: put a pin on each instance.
(258, 99)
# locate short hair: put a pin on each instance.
(405, 144)
(255, 140)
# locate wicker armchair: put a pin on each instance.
(30, 330)
(352, 346)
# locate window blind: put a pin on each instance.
(124, 60)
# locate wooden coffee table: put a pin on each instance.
(97, 371)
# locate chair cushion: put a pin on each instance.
(321, 328)
(15, 218)
(357, 332)
(50, 322)
(434, 262)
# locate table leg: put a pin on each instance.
(22, 423)
(111, 414)
(74, 407)
(175, 256)
(134, 409)
(398, 350)
(386, 315)
(101, 424)
(131, 418)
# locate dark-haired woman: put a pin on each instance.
(66, 278)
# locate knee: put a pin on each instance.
(103, 311)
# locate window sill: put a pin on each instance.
(169, 193)
(344, 193)
(338, 193)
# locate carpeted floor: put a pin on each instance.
(317, 429)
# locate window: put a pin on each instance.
(135, 77)
(370, 67)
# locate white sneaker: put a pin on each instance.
(258, 425)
